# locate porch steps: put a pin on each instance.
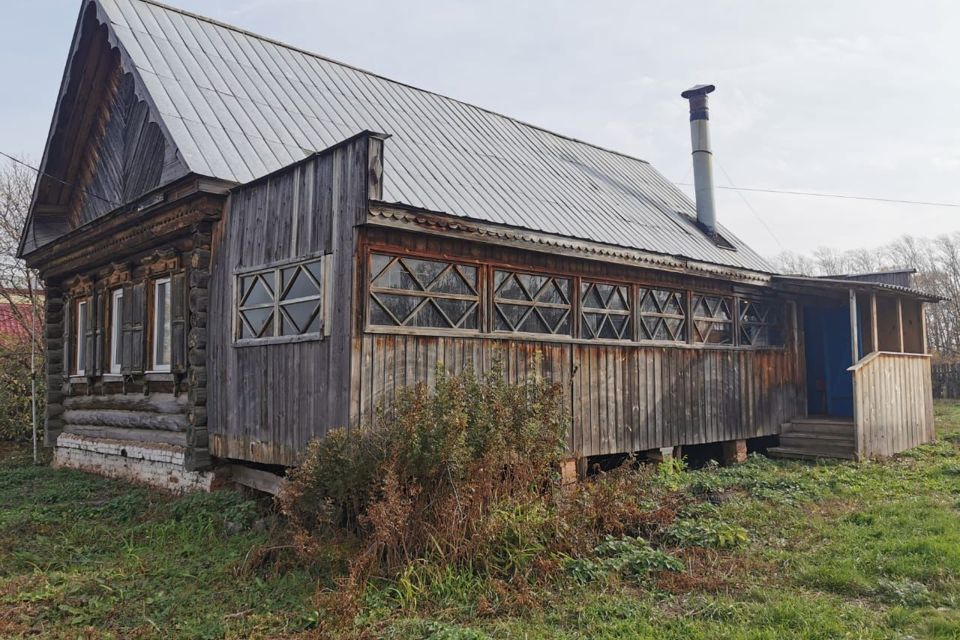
(815, 437)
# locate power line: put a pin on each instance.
(750, 206)
(63, 182)
(840, 196)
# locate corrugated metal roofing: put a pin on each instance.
(239, 106)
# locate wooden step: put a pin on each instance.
(809, 454)
(833, 426)
(802, 439)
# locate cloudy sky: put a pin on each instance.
(852, 97)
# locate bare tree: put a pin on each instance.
(937, 265)
(19, 289)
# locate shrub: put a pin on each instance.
(446, 475)
(15, 409)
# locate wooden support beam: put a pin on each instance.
(874, 335)
(900, 322)
(854, 338)
(256, 479)
(923, 329)
(734, 451)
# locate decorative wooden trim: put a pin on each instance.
(54, 362)
(161, 262)
(79, 286)
(118, 273)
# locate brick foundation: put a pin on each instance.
(155, 464)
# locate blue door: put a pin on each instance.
(829, 384)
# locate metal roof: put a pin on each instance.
(239, 106)
(815, 283)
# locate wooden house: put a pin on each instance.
(245, 245)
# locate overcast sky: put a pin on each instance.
(856, 98)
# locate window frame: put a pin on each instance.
(154, 366)
(275, 269)
(79, 333)
(582, 331)
(116, 331)
(686, 332)
(773, 304)
(733, 309)
(451, 264)
(572, 306)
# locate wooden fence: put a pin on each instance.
(946, 381)
(893, 404)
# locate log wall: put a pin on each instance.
(893, 403)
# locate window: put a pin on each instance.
(529, 303)
(662, 315)
(161, 325)
(414, 292)
(712, 320)
(605, 311)
(81, 336)
(282, 301)
(116, 330)
(761, 324)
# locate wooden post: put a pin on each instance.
(874, 337)
(854, 338)
(569, 472)
(900, 321)
(734, 451)
(923, 329)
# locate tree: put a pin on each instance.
(937, 265)
(21, 303)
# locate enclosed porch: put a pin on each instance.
(868, 386)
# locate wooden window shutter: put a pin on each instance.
(138, 312)
(89, 357)
(126, 331)
(178, 322)
(99, 307)
(68, 345)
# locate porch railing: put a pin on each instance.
(892, 402)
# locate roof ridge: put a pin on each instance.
(313, 54)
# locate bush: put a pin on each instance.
(446, 476)
(15, 409)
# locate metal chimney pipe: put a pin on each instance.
(702, 155)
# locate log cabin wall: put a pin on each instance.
(623, 395)
(273, 385)
(104, 379)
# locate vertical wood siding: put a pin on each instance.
(267, 401)
(621, 399)
(893, 401)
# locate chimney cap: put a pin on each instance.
(698, 90)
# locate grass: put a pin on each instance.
(772, 550)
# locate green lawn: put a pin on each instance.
(869, 550)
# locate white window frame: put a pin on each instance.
(160, 368)
(116, 330)
(81, 324)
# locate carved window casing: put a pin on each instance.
(663, 315)
(605, 311)
(712, 319)
(282, 301)
(414, 292)
(531, 303)
(761, 324)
